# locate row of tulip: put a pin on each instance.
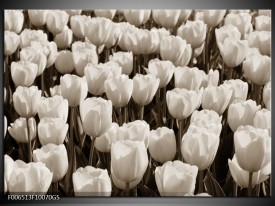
(112, 76)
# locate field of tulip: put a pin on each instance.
(140, 103)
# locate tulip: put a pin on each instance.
(267, 95)
(11, 42)
(228, 31)
(124, 60)
(238, 11)
(23, 73)
(211, 79)
(77, 24)
(119, 90)
(162, 144)
(74, 89)
(109, 14)
(34, 178)
(159, 34)
(176, 178)
(216, 98)
(200, 144)
(239, 89)
(263, 23)
(213, 17)
(182, 102)
(262, 120)
(123, 154)
(5, 125)
(188, 78)
(55, 158)
(8, 168)
(64, 39)
(265, 12)
(97, 74)
(241, 114)
(73, 12)
(18, 130)
(14, 20)
(260, 40)
(206, 115)
(83, 53)
(52, 131)
(176, 50)
(241, 176)
(194, 32)
(242, 21)
(251, 147)
(56, 90)
(96, 116)
(27, 36)
(90, 181)
(38, 17)
(26, 100)
(184, 15)
(56, 21)
(257, 68)
(35, 56)
(138, 130)
(163, 70)
(233, 51)
(64, 62)
(145, 88)
(127, 30)
(114, 35)
(166, 18)
(137, 17)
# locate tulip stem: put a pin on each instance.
(250, 184)
(192, 57)
(7, 79)
(92, 151)
(120, 116)
(180, 133)
(127, 189)
(29, 140)
(159, 107)
(55, 188)
(125, 114)
(200, 183)
(164, 106)
(141, 112)
(235, 194)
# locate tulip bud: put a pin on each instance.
(163, 70)
(26, 100)
(267, 95)
(194, 32)
(77, 25)
(188, 78)
(109, 14)
(96, 115)
(260, 40)
(241, 114)
(233, 51)
(241, 20)
(263, 23)
(90, 181)
(166, 18)
(176, 50)
(97, 74)
(35, 56)
(162, 144)
(123, 154)
(27, 36)
(241, 176)
(83, 53)
(11, 42)
(257, 68)
(182, 102)
(211, 79)
(38, 17)
(176, 178)
(64, 39)
(213, 17)
(145, 88)
(119, 90)
(23, 73)
(74, 89)
(251, 146)
(64, 63)
(137, 17)
(14, 20)
(184, 15)
(200, 144)
(55, 158)
(239, 89)
(124, 60)
(52, 130)
(32, 178)
(216, 98)
(56, 21)
(262, 120)
(225, 32)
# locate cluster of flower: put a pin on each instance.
(86, 95)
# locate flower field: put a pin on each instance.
(139, 103)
